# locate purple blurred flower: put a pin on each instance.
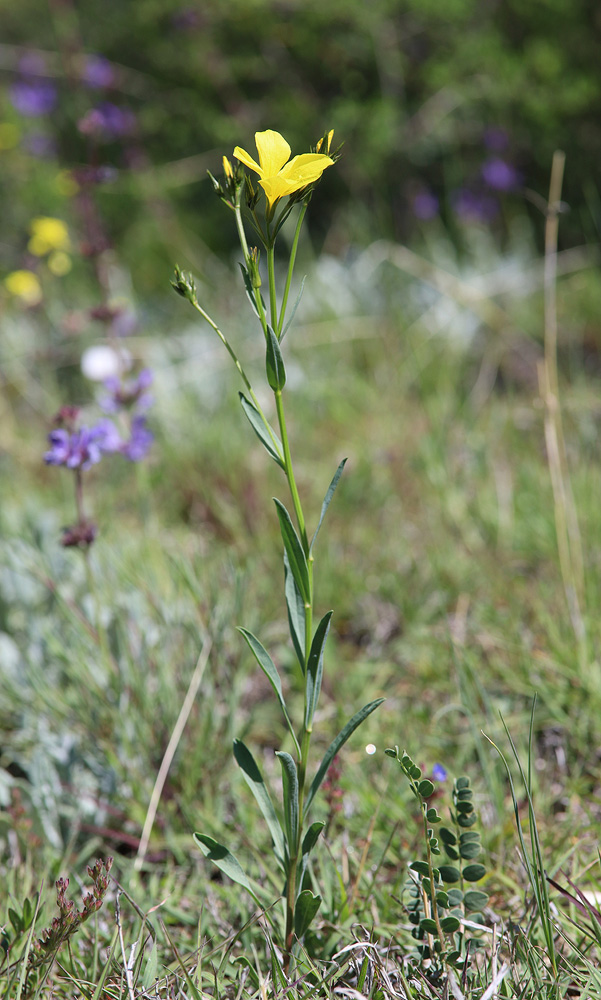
(472, 206)
(499, 174)
(43, 147)
(82, 448)
(97, 72)
(425, 205)
(131, 393)
(108, 121)
(140, 441)
(186, 19)
(496, 138)
(33, 97)
(439, 773)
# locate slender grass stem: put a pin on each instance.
(567, 530)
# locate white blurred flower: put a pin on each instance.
(101, 362)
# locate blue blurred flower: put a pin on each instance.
(500, 175)
(82, 448)
(140, 441)
(474, 206)
(97, 72)
(33, 97)
(108, 121)
(425, 205)
(439, 773)
(496, 138)
(43, 147)
(130, 393)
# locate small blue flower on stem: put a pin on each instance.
(140, 441)
(82, 448)
(132, 393)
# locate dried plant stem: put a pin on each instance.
(172, 746)
(569, 542)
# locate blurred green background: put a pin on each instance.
(449, 111)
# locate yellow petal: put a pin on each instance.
(305, 169)
(277, 187)
(247, 160)
(273, 152)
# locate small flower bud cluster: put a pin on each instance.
(70, 918)
(184, 285)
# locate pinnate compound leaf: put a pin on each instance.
(447, 836)
(473, 873)
(315, 669)
(225, 861)
(449, 873)
(258, 425)
(475, 899)
(306, 907)
(296, 613)
(290, 793)
(449, 924)
(294, 550)
(425, 788)
(274, 362)
(255, 782)
(470, 850)
(335, 745)
(326, 503)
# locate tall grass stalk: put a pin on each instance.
(569, 541)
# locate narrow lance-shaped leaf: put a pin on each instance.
(309, 841)
(269, 669)
(274, 362)
(294, 550)
(225, 861)
(256, 783)
(296, 613)
(306, 907)
(335, 745)
(293, 310)
(261, 430)
(290, 792)
(315, 669)
(327, 499)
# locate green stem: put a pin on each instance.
(298, 510)
(272, 298)
(242, 373)
(291, 268)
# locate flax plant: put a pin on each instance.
(285, 186)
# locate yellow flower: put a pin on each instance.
(280, 176)
(48, 234)
(24, 285)
(59, 263)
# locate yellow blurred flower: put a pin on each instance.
(9, 135)
(59, 263)
(280, 176)
(48, 234)
(24, 285)
(66, 184)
